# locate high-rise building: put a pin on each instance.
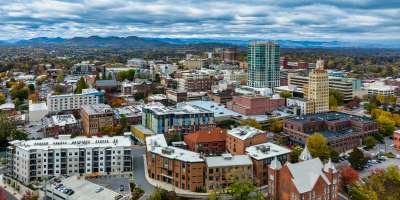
(317, 89)
(229, 55)
(263, 64)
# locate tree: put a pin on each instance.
(380, 98)
(338, 96)
(2, 98)
(285, 94)
(60, 78)
(369, 142)
(333, 103)
(123, 121)
(348, 176)
(360, 192)
(386, 125)
(80, 85)
(318, 146)
(117, 102)
(31, 87)
(276, 125)
(242, 190)
(294, 155)
(227, 123)
(250, 122)
(334, 155)
(357, 159)
(161, 194)
(106, 130)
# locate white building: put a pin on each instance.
(35, 159)
(377, 88)
(37, 111)
(65, 102)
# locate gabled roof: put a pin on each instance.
(305, 154)
(305, 174)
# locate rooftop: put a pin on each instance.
(62, 120)
(266, 150)
(227, 160)
(37, 107)
(83, 190)
(245, 132)
(180, 108)
(331, 116)
(66, 142)
(97, 109)
(128, 111)
(212, 135)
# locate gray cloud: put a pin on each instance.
(233, 19)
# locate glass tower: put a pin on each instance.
(263, 64)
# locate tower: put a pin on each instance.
(273, 178)
(305, 155)
(317, 89)
(263, 64)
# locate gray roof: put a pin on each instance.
(306, 173)
(305, 154)
(107, 83)
(227, 160)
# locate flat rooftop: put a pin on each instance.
(244, 132)
(266, 150)
(228, 160)
(66, 142)
(97, 109)
(62, 120)
(331, 116)
(180, 108)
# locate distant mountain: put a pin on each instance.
(152, 43)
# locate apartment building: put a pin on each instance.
(195, 81)
(35, 159)
(262, 156)
(239, 138)
(254, 104)
(343, 131)
(179, 167)
(221, 170)
(67, 102)
(182, 118)
(61, 125)
(95, 117)
(207, 141)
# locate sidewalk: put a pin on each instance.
(169, 187)
(9, 189)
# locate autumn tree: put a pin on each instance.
(250, 122)
(333, 103)
(285, 94)
(348, 176)
(294, 155)
(386, 125)
(2, 98)
(276, 125)
(318, 146)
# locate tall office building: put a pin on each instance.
(263, 64)
(317, 89)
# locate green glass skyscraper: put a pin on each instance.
(263, 64)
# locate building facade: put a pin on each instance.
(182, 118)
(61, 125)
(396, 139)
(263, 64)
(36, 159)
(195, 81)
(343, 131)
(67, 102)
(96, 117)
(317, 89)
(207, 141)
(254, 104)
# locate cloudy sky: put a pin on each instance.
(231, 19)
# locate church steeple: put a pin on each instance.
(305, 155)
(275, 164)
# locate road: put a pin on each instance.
(139, 176)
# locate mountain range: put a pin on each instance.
(151, 43)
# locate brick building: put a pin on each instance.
(222, 169)
(306, 180)
(195, 81)
(254, 104)
(95, 117)
(237, 139)
(208, 141)
(396, 139)
(61, 125)
(343, 131)
(182, 168)
(262, 156)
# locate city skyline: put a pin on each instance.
(324, 20)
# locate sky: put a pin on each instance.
(343, 20)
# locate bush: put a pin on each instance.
(389, 155)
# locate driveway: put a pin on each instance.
(139, 174)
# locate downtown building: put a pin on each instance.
(182, 118)
(263, 64)
(95, 117)
(68, 102)
(38, 159)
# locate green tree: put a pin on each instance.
(318, 146)
(139, 96)
(226, 124)
(338, 96)
(294, 155)
(360, 192)
(80, 85)
(334, 155)
(124, 123)
(60, 78)
(31, 87)
(357, 159)
(369, 142)
(285, 94)
(333, 103)
(2, 98)
(243, 190)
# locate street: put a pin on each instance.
(139, 174)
